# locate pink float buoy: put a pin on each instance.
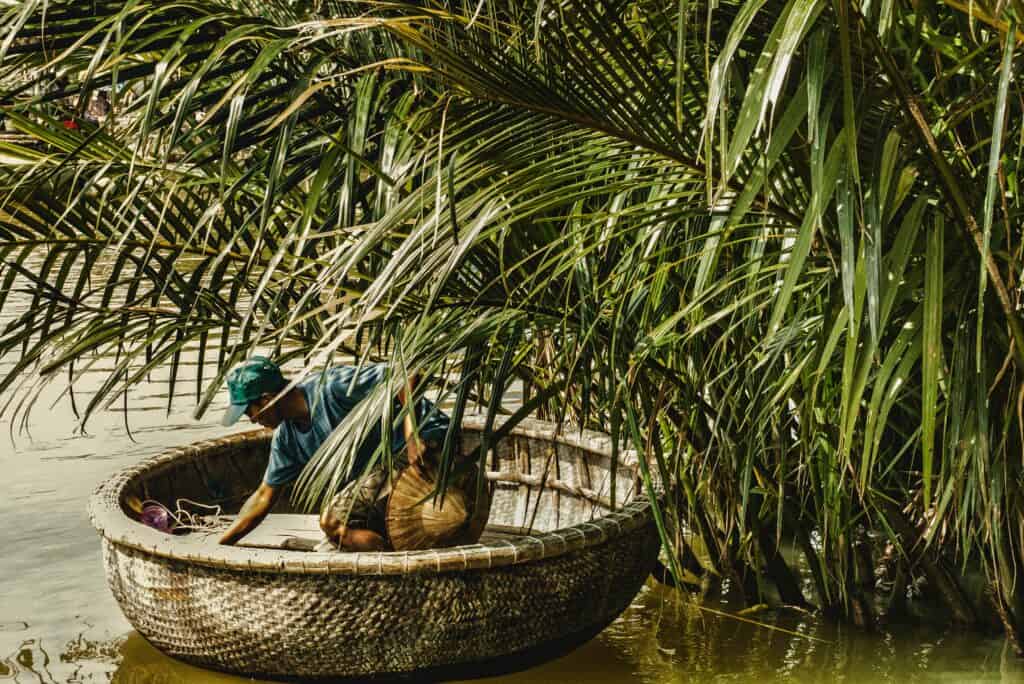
(156, 516)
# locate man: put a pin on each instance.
(302, 418)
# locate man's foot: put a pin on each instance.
(326, 546)
(299, 544)
(362, 540)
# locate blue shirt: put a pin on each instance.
(329, 402)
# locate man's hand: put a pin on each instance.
(414, 446)
(252, 514)
(410, 387)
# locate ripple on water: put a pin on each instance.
(77, 457)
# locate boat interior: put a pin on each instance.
(537, 486)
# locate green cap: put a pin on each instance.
(249, 381)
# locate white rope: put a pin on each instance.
(195, 522)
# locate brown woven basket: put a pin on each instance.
(567, 563)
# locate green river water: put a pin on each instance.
(59, 622)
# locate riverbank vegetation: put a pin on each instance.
(774, 245)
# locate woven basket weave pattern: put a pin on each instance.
(280, 613)
(350, 625)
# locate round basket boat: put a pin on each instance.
(568, 545)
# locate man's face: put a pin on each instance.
(263, 412)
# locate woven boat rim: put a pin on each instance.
(118, 529)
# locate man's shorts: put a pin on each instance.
(364, 502)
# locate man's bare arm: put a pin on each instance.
(252, 514)
(414, 446)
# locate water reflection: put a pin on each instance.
(143, 664)
(658, 639)
(81, 660)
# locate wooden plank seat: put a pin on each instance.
(292, 531)
(301, 532)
